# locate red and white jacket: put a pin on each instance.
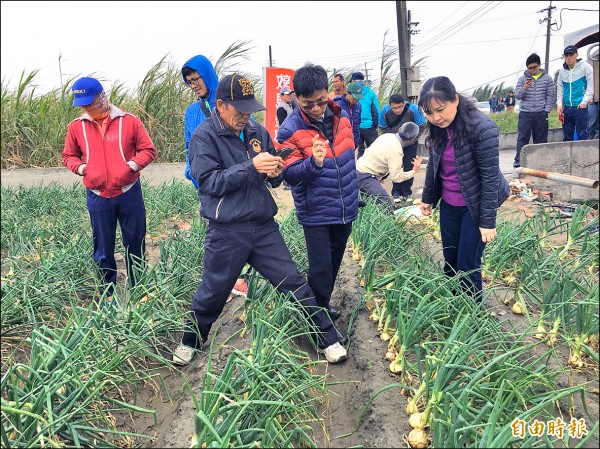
(107, 172)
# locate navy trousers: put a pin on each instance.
(404, 188)
(128, 209)
(370, 185)
(462, 247)
(575, 119)
(228, 247)
(325, 246)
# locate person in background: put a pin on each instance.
(369, 106)
(493, 104)
(463, 176)
(386, 158)
(390, 122)
(535, 90)
(575, 87)
(322, 173)
(109, 148)
(232, 157)
(198, 73)
(350, 103)
(338, 86)
(510, 101)
(285, 105)
(593, 102)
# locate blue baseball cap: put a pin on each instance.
(85, 90)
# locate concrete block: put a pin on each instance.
(579, 158)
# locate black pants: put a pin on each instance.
(228, 247)
(531, 124)
(367, 137)
(325, 246)
(404, 188)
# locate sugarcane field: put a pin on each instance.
(426, 367)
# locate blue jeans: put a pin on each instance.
(462, 247)
(575, 119)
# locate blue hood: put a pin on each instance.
(205, 69)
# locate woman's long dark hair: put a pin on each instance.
(443, 91)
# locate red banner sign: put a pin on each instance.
(274, 78)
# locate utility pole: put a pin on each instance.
(549, 23)
(270, 57)
(403, 45)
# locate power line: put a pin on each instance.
(485, 42)
(444, 20)
(445, 30)
(496, 79)
(464, 26)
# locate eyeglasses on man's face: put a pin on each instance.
(193, 81)
(532, 67)
(309, 106)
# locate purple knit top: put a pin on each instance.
(451, 193)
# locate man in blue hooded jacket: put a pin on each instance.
(199, 74)
(369, 114)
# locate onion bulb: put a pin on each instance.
(575, 361)
(391, 356)
(518, 308)
(418, 439)
(540, 331)
(416, 421)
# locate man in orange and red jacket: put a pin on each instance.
(109, 147)
(322, 174)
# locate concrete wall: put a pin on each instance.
(579, 158)
(508, 141)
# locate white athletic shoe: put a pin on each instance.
(335, 353)
(183, 355)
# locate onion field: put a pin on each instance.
(519, 371)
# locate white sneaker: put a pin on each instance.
(398, 199)
(183, 354)
(409, 199)
(335, 353)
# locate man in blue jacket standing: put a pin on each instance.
(199, 74)
(232, 158)
(575, 88)
(369, 115)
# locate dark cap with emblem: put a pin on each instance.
(570, 50)
(238, 91)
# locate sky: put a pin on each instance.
(471, 42)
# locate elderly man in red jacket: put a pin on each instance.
(109, 147)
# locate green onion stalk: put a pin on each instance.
(579, 229)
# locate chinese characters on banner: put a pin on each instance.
(274, 78)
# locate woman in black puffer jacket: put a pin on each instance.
(463, 174)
